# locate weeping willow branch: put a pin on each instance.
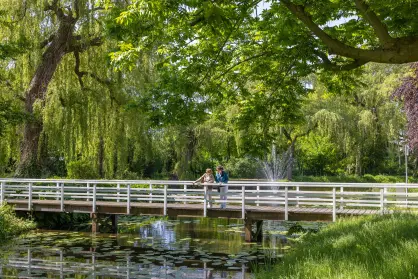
(80, 74)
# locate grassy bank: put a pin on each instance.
(10, 225)
(366, 247)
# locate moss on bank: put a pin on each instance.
(10, 225)
(365, 247)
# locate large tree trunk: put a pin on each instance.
(29, 164)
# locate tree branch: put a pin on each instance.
(77, 69)
(76, 10)
(333, 44)
(78, 45)
(240, 62)
(57, 10)
(379, 28)
(287, 134)
(327, 64)
(404, 50)
(81, 74)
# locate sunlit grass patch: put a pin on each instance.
(366, 247)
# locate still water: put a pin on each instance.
(143, 248)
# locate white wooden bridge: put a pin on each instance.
(249, 200)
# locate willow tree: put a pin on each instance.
(55, 29)
(363, 126)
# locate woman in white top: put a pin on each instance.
(207, 177)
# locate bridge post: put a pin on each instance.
(286, 203)
(341, 198)
(88, 192)
(2, 185)
(30, 197)
(57, 192)
(165, 200)
(381, 201)
(258, 196)
(118, 188)
(128, 199)
(150, 193)
(94, 198)
(62, 197)
(185, 193)
(243, 202)
(297, 196)
(205, 201)
(334, 205)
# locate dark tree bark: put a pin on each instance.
(29, 162)
(63, 41)
(291, 149)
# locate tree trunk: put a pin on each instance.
(290, 164)
(29, 164)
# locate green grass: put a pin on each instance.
(363, 247)
(10, 225)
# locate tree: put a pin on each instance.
(408, 92)
(311, 35)
(376, 33)
(359, 130)
(54, 29)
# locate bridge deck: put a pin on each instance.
(195, 210)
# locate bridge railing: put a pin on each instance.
(241, 195)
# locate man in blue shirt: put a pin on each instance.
(222, 178)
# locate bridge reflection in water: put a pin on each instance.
(57, 263)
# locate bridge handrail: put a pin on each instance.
(231, 182)
(243, 193)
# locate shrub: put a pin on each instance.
(242, 167)
(10, 225)
(81, 169)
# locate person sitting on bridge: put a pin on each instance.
(222, 179)
(207, 177)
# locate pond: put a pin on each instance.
(146, 248)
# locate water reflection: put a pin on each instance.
(186, 248)
(60, 265)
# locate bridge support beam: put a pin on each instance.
(251, 236)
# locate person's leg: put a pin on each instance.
(221, 195)
(224, 190)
